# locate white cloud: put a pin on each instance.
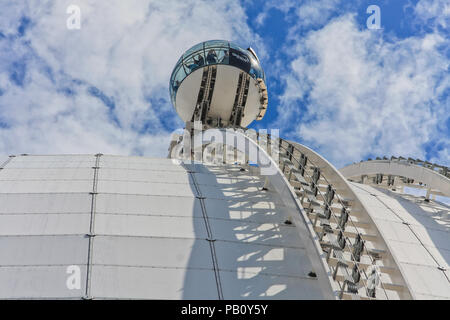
(302, 13)
(443, 156)
(282, 5)
(436, 12)
(313, 13)
(125, 50)
(362, 94)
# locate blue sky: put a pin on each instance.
(346, 91)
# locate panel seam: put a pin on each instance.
(2, 166)
(408, 225)
(91, 233)
(210, 238)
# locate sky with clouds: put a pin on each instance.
(347, 91)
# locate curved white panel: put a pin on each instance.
(187, 95)
(224, 93)
(144, 236)
(419, 239)
(431, 178)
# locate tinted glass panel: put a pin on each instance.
(216, 43)
(223, 56)
(193, 49)
(194, 62)
(180, 75)
(211, 56)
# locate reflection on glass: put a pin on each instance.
(232, 45)
(176, 79)
(211, 56)
(180, 74)
(198, 59)
(194, 62)
(216, 44)
(223, 56)
(197, 47)
(190, 65)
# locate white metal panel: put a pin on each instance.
(152, 283)
(261, 259)
(55, 158)
(106, 164)
(44, 224)
(237, 285)
(223, 98)
(144, 175)
(250, 193)
(285, 191)
(245, 185)
(397, 231)
(429, 297)
(39, 282)
(45, 203)
(433, 238)
(162, 224)
(207, 168)
(43, 250)
(233, 171)
(140, 163)
(417, 238)
(374, 207)
(427, 176)
(405, 210)
(426, 219)
(253, 103)
(145, 188)
(187, 95)
(263, 233)
(411, 253)
(394, 205)
(65, 161)
(442, 257)
(262, 211)
(224, 179)
(43, 186)
(152, 252)
(148, 205)
(3, 159)
(224, 95)
(111, 159)
(47, 174)
(152, 226)
(427, 280)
